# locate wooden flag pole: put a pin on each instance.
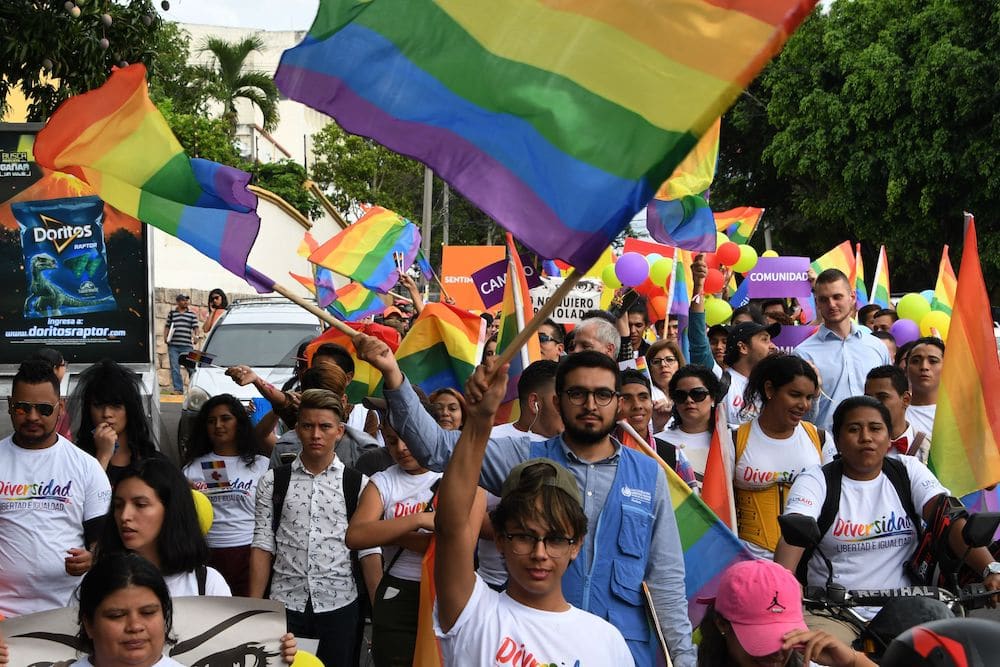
(314, 309)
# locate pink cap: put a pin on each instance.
(762, 601)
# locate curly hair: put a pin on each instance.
(779, 370)
(200, 444)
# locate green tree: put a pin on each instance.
(171, 77)
(226, 80)
(287, 180)
(50, 54)
(203, 137)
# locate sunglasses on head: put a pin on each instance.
(22, 408)
(698, 394)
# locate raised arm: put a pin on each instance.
(454, 575)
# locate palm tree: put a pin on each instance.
(226, 81)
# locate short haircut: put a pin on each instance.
(779, 370)
(35, 371)
(634, 376)
(585, 359)
(870, 308)
(537, 377)
(664, 344)
(853, 403)
(338, 353)
(895, 374)
(888, 312)
(321, 399)
(325, 374)
(603, 331)
(751, 309)
(927, 340)
(535, 499)
(831, 276)
(560, 329)
(902, 351)
(884, 335)
(600, 314)
(639, 308)
(673, 317)
(49, 354)
(767, 303)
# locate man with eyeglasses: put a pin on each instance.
(53, 499)
(633, 536)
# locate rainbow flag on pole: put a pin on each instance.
(966, 451)
(880, 284)
(114, 139)
(367, 381)
(516, 311)
(738, 224)
(442, 348)
(366, 250)
(858, 277)
(944, 289)
(501, 99)
(841, 257)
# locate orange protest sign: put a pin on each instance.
(457, 266)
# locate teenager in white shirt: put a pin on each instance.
(924, 362)
(540, 526)
(223, 463)
(889, 386)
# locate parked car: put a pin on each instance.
(261, 332)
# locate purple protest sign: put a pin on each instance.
(491, 280)
(779, 277)
(790, 336)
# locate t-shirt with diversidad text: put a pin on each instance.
(404, 494)
(45, 496)
(494, 629)
(871, 536)
(231, 486)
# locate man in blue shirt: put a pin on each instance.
(841, 351)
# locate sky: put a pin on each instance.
(265, 14)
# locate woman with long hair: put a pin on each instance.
(695, 393)
(217, 304)
(222, 461)
(113, 427)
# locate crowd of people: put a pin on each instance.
(555, 537)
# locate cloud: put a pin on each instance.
(264, 14)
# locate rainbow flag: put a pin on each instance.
(880, 284)
(442, 348)
(427, 649)
(858, 277)
(966, 451)
(717, 484)
(367, 381)
(365, 251)
(679, 297)
(322, 283)
(738, 224)
(355, 302)
(840, 257)
(504, 106)
(114, 139)
(516, 312)
(944, 289)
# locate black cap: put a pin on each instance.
(718, 329)
(742, 333)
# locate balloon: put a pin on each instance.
(306, 659)
(645, 288)
(203, 508)
(748, 259)
(609, 278)
(659, 272)
(928, 295)
(720, 239)
(912, 307)
(714, 281)
(652, 258)
(631, 269)
(658, 308)
(936, 320)
(711, 260)
(904, 331)
(717, 311)
(769, 253)
(728, 253)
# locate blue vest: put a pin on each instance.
(612, 588)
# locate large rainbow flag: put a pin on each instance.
(738, 224)
(367, 381)
(516, 311)
(366, 250)
(501, 99)
(880, 283)
(946, 285)
(966, 451)
(442, 348)
(115, 139)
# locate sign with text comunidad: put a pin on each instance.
(779, 277)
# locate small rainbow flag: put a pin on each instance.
(858, 277)
(504, 106)
(966, 451)
(322, 283)
(367, 381)
(880, 284)
(679, 297)
(114, 139)
(516, 311)
(841, 257)
(365, 250)
(944, 289)
(442, 348)
(355, 302)
(738, 224)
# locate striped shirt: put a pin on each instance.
(184, 325)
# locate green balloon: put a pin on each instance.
(609, 277)
(717, 311)
(913, 307)
(659, 273)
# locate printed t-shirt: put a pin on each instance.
(231, 486)
(871, 537)
(734, 400)
(767, 461)
(404, 494)
(185, 584)
(693, 445)
(45, 496)
(494, 629)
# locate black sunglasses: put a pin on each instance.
(545, 338)
(22, 408)
(698, 394)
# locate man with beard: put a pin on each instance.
(624, 493)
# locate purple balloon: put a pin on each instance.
(632, 269)
(904, 331)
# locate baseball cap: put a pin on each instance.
(742, 333)
(392, 310)
(762, 601)
(718, 329)
(181, 296)
(563, 478)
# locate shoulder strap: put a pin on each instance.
(918, 439)
(352, 487)
(741, 436)
(816, 435)
(201, 574)
(833, 474)
(282, 477)
(900, 479)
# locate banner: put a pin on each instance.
(491, 280)
(586, 295)
(779, 277)
(458, 263)
(790, 336)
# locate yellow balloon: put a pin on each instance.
(203, 506)
(306, 659)
(747, 260)
(609, 277)
(659, 272)
(717, 311)
(769, 253)
(720, 238)
(935, 321)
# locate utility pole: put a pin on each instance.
(428, 193)
(446, 213)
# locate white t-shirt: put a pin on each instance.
(493, 629)
(510, 431)
(767, 461)
(871, 536)
(491, 565)
(45, 496)
(734, 400)
(231, 486)
(404, 494)
(165, 661)
(694, 445)
(185, 584)
(921, 418)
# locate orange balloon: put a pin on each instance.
(658, 308)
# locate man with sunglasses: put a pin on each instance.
(551, 337)
(53, 499)
(633, 536)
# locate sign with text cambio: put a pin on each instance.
(491, 281)
(779, 277)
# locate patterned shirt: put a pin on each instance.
(184, 324)
(311, 560)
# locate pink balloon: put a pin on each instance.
(632, 269)
(904, 331)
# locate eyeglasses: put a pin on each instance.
(545, 338)
(22, 408)
(661, 361)
(579, 396)
(698, 394)
(523, 544)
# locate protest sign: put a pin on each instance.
(458, 263)
(790, 336)
(586, 295)
(491, 280)
(779, 277)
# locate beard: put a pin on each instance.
(584, 436)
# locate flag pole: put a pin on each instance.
(258, 279)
